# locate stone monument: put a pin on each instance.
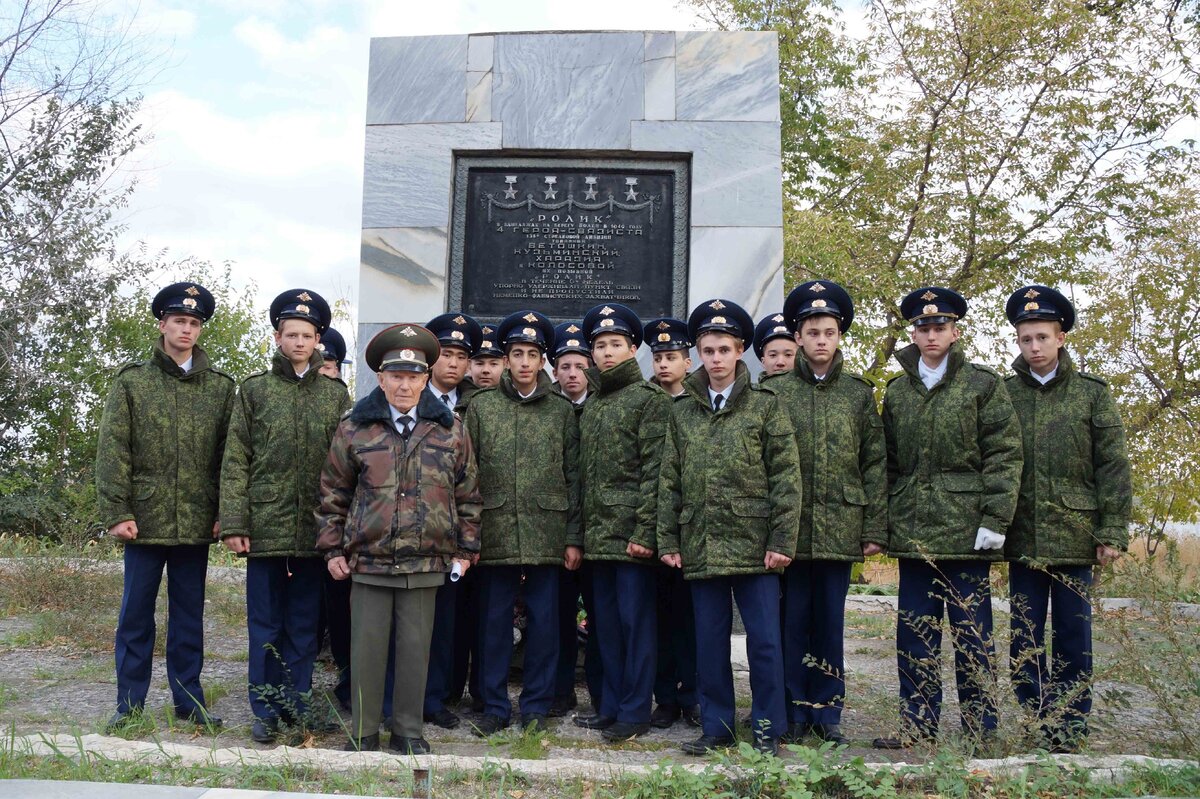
(557, 170)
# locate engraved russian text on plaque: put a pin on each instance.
(560, 235)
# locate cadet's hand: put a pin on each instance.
(572, 557)
(1106, 555)
(465, 563)
(338, 568)
(774, 560)
(871, 549)
(988, 539)
(124, 531)
(217, 529)
(638, 551)
(238, 543)
(674, 560)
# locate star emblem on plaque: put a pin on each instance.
(550, 192)
(631, 193)
(510, 189)
(590, 192)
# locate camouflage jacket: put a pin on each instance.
(278, 440)
(394, 508)
(593, 387)
(731, 485)
(158, 457)
(621, 432)
(527, 449)
(1075, 488)
(842, 458)
(953, 459)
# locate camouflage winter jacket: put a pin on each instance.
(621, 433)
(593, 387)
(527, 449)
(953, 457)
(731, 484)
(842, 458)
(158, 458)
(278, 440)
(391, 507)
(1075, 488)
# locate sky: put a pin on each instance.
(257, 122)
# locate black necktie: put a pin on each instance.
(446, 399)
(406, 426)
(718, 401)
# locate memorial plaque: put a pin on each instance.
(561, 235)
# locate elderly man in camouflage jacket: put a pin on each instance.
(954, 466)
(842, 458)
(399, 509)
(1072, 512)
(526, 441)
(158, 461)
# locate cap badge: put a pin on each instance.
(929, 309)
(192, 291)
(573, 328)
(408, 355)
(529, 331)
(928, 296)
(818, 304)
(716, 305)
(816, 287)
(718, 320)
(779, 329)
(459, 320)
(408, 331)
(188, 302)
(530, 317)
(486, 345)
(487, 330)
(457, 335)
(663, 326)
(606, 311)
(1029, 295)
(573, 342)
(607, 322)
(1032, 306)
(304, 295)
(779, 317)
(302, 308)
(664, 336)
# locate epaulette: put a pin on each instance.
(225, 375)
(1093, 378)
(653, 386)
(761, 387)
(979, 367)
(131, 365)
(253, 375)
(894, 378)
(768, 377)
(859, 378)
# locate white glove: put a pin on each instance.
(987, 539)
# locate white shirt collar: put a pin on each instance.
(526, 396)
(396, 414)
(712, 395)
(1049, 376)
(437, 395)
(186, 366)
(582, 398)
(303, 372)
(932, 376)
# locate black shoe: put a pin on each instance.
(367, 743)
(408, 746)
(489, 725)
(706, 744)
(476, 704)
(665, 715)
(831, 733)
(624, 731)
(201, 718)
(445, 719)
(532, 721)
(119, 720)
(263, 731)
(797, 731)
(768, 746)
(594, 722)
(562, 705)
(691, 715)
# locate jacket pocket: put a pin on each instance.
(264, 493)
(556, 502)
(143, 490)
(900, 484)
(626, 498)
(1080, 500)
(752, 507)
(961, 482)
(686, 514)
(854, 494)
(496, 500)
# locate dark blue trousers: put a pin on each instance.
(625, 627)
(1061, 689)
(186, 566)
(814, 614)
(757, 597)
(568, 633)
(675, 675)
(283, 601)
(498, 589)
(441, 651)
(961, 590)
(464, 674)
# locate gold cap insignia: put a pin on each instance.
(663, 326)
(928, 296)
(716, 305)
(487, 329)
(606, 311)
(573, 329)
(931, 308)
(1029, 295)
(573, 342)
(304, 295)
(457, 335)
(664, 336)
(486, 345)
(459, 320)
(607, 323)
(408, 355)
(529, 317)
(779, 329)
(818, 304)
(188, 302)
(302, 308)
(718, 320)
(192, 291)
(408, 331)
(816, 287)
(1032, 306)
(777, 317)
(529, 331)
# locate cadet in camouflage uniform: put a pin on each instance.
(775, 345)
(526, 440)
(622, 429)
(1072, 512)
(158, 463)
(675, 674)
(278, 440)
(399, 508)
(954, 467)
(844, 517)
(730, 514)
(455, 628)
